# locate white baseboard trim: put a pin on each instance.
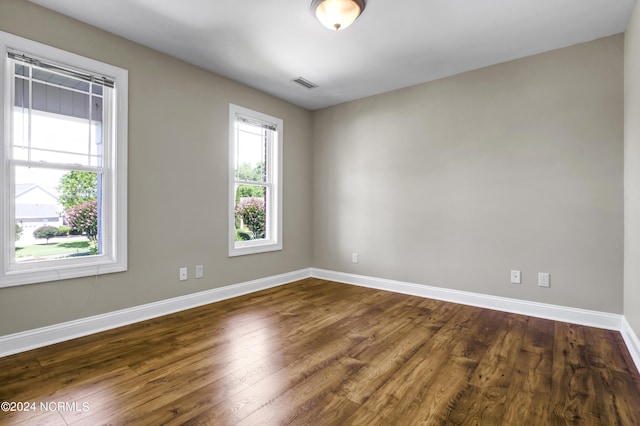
(31, 339)
(516, 306)
(632, 342)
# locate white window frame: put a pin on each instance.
(114, 208)
(273, 226)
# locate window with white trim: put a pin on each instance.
(255, 182)
(64, 162)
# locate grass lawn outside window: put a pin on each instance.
(59, 247)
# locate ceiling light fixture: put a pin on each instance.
(337, 14)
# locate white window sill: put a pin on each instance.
(253, 247)
(40, 274)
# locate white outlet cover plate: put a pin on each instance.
(543, 279)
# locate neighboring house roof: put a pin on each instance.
(34, 201)
(36, 211)
(23, 188)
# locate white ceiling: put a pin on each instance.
(265, 44)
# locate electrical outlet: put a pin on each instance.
(543, 279)
(354, 257)
(199, 271)
(515, 277)
(183, 274)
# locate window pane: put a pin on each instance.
(21, 119)
(250, 210)
(64, 124)
(251, 159)
(22, 92)
(60, 80)
(57, 214)
(57, 138)
(22, 70)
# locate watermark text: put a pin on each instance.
(53, 406)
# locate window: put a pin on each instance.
(255, 182)
(64, 161)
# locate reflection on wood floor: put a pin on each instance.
(321, 353)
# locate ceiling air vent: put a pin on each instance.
(304, 82)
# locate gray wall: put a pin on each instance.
(632, 173)
(453, 183)
(177, 180)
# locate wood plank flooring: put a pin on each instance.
(321, 353)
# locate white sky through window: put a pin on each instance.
(250, 145)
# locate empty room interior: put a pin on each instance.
(224, 212)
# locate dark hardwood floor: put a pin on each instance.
(322, 353)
